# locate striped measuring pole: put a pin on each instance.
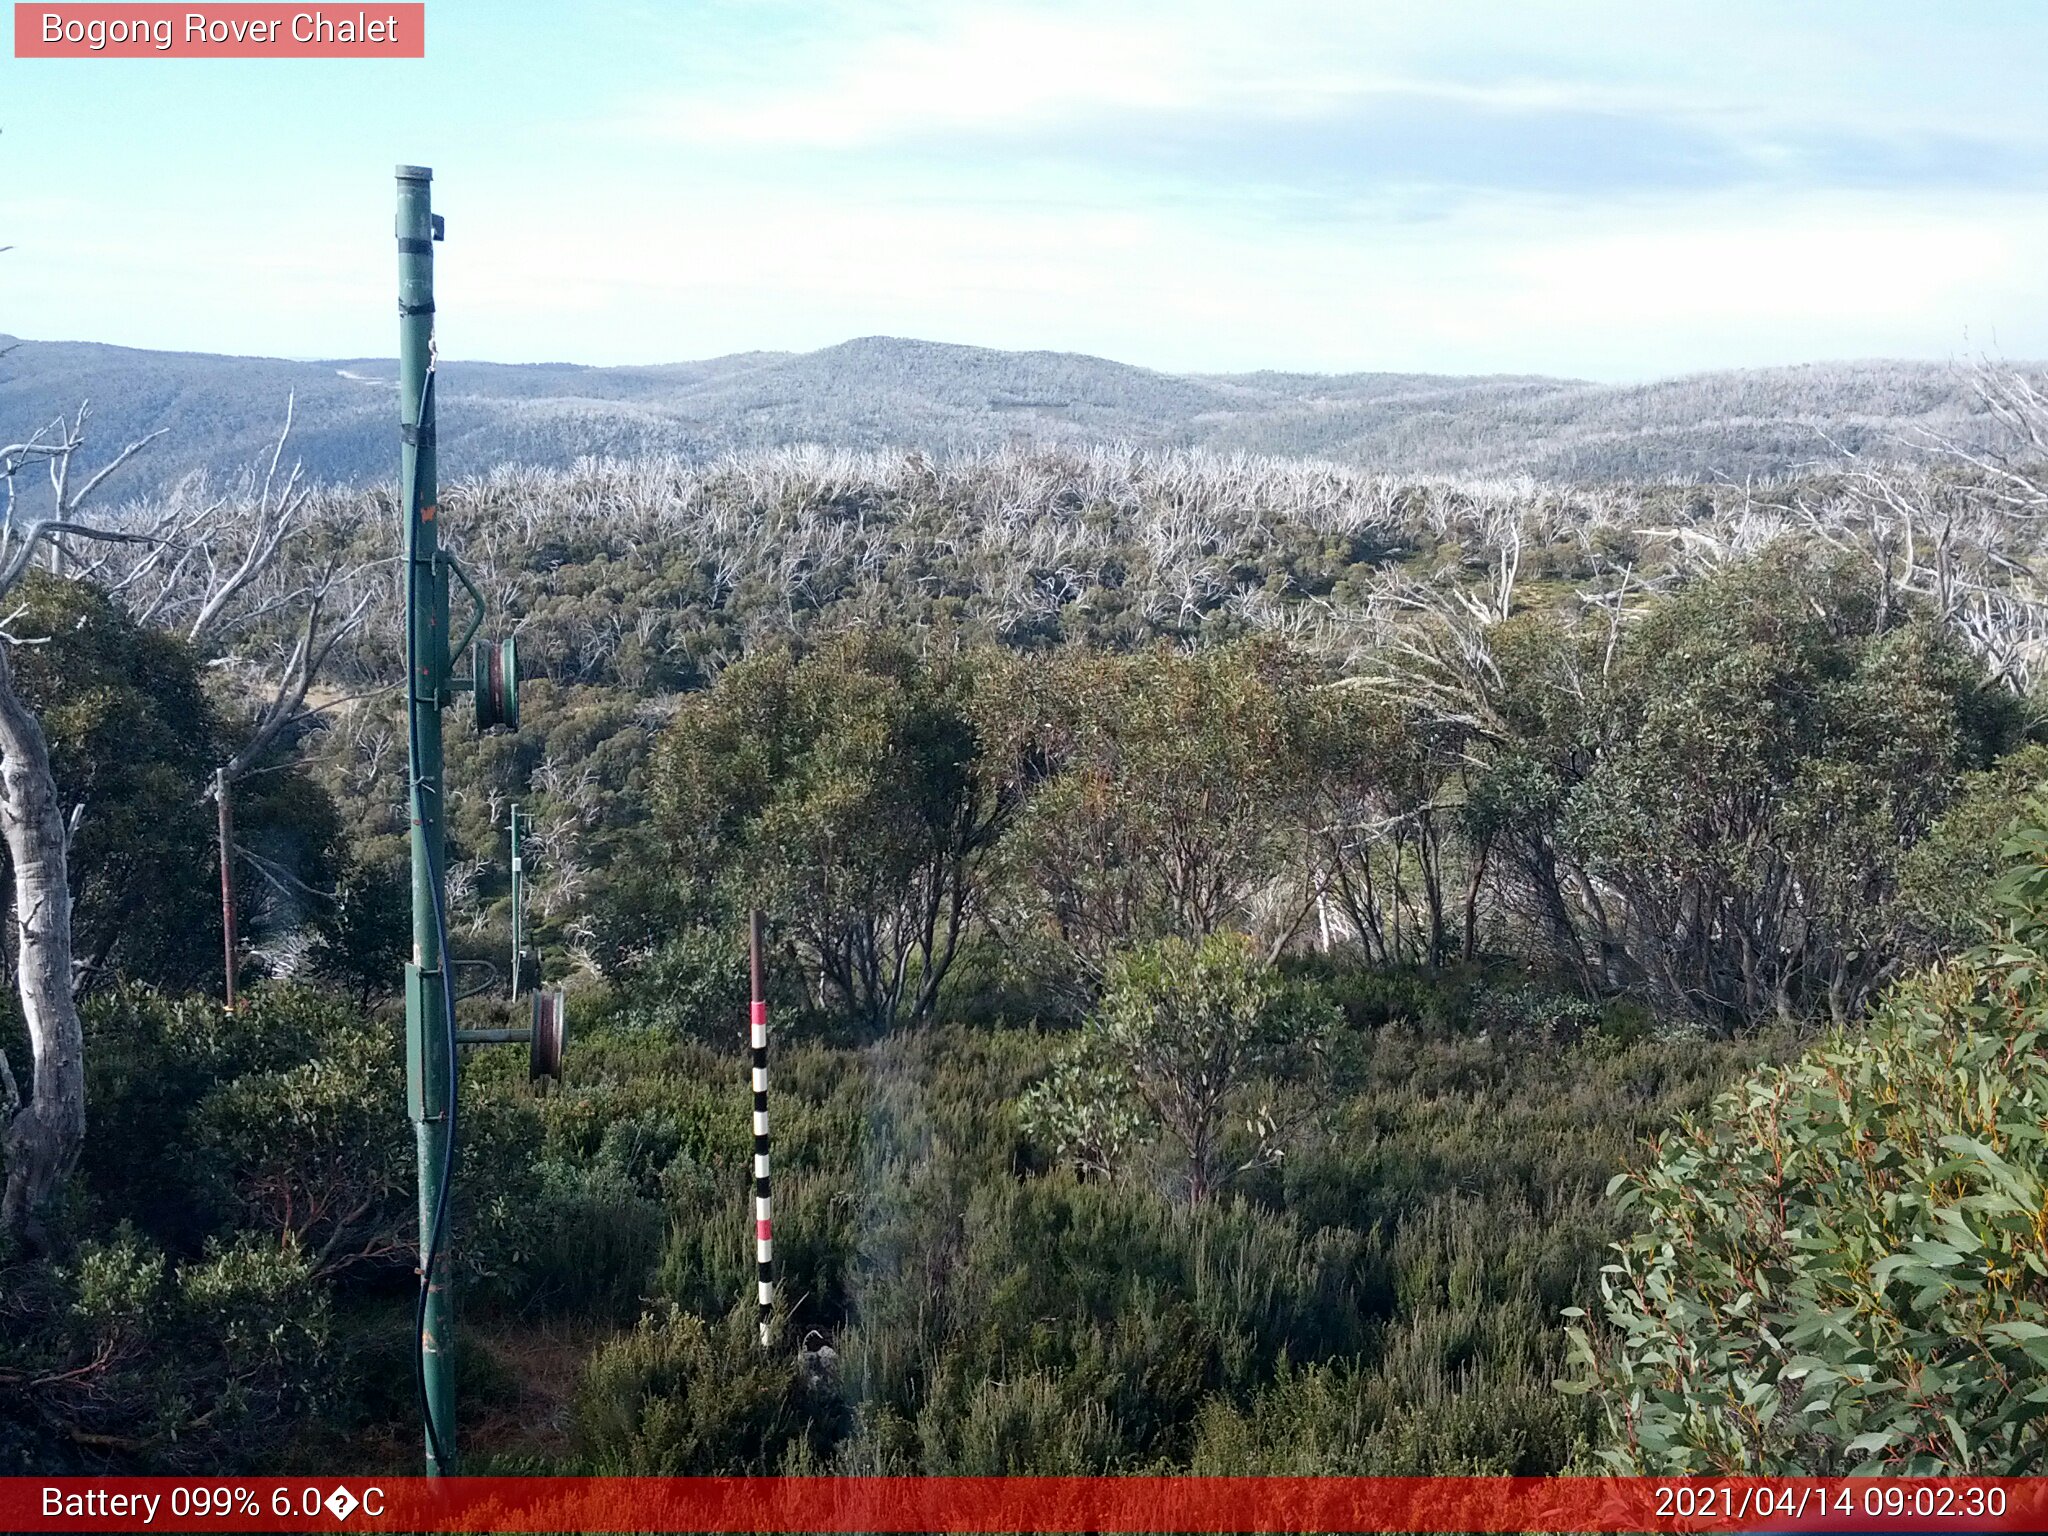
(764, 1232)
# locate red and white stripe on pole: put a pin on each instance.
(764, 1229)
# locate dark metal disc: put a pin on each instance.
(508, 683)
(494, 679)
(550, 1035)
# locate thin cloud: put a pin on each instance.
(1609, 190)
(1304, 103)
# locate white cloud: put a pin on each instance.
(1659, 287)
(1839, 260)
(1646, 286)
(982, 69)
(1006, 69)
(1010, 70)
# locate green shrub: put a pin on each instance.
(694, 987)
(640, 1110)
(708, 1262)
(1841, 1267)
(1344, 1420)
(1025, 1426)
(680, 1396)
(133, 737)
(594, 1242)
(183, 1101)
(1947, 878)
(314, 1150)
(123, 1352)
(1370, 997)
(1187, 1043)
(251, 1331)
(855, 791)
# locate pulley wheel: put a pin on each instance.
(494, 679)
(550, 1034)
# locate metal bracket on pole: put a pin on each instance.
(426, 1074)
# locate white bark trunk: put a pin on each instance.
(44, 1134)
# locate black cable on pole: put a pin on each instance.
(430, 1249)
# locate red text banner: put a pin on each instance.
(991, 1504)
(114, 31)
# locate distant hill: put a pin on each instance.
(882, 391)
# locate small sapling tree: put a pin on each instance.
(1193, 1042)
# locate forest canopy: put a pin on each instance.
(1228, 922)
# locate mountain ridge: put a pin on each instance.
(221, 411)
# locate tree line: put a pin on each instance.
(1711, 809)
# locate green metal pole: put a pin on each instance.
(430, 1064)
(518, 907)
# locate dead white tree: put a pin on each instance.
(229, 572)
(1964, 533)
(197, 565)
(45, 1127)
(56, 448)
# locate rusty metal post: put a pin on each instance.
(226, 809)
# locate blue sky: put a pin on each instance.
(1612, 191)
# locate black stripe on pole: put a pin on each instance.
(757, 1027)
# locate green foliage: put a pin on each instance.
(367, 930)
(1180, 783)
(283, 1118)
(1084, 1108)
(126, 1351)
(1022, 1426)
(255, 1326)
(1947, 878)
(680, 1397)
(991, 1314)
(1336, 1420)
(1841, 1269)
(853, 793)
(594, 1240)
(153, 1066)
(1713, 810)
(967, 778)
(312, 1151)
(987, 1315)
(132, 741)
(694, 986)
(1192, 1042)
